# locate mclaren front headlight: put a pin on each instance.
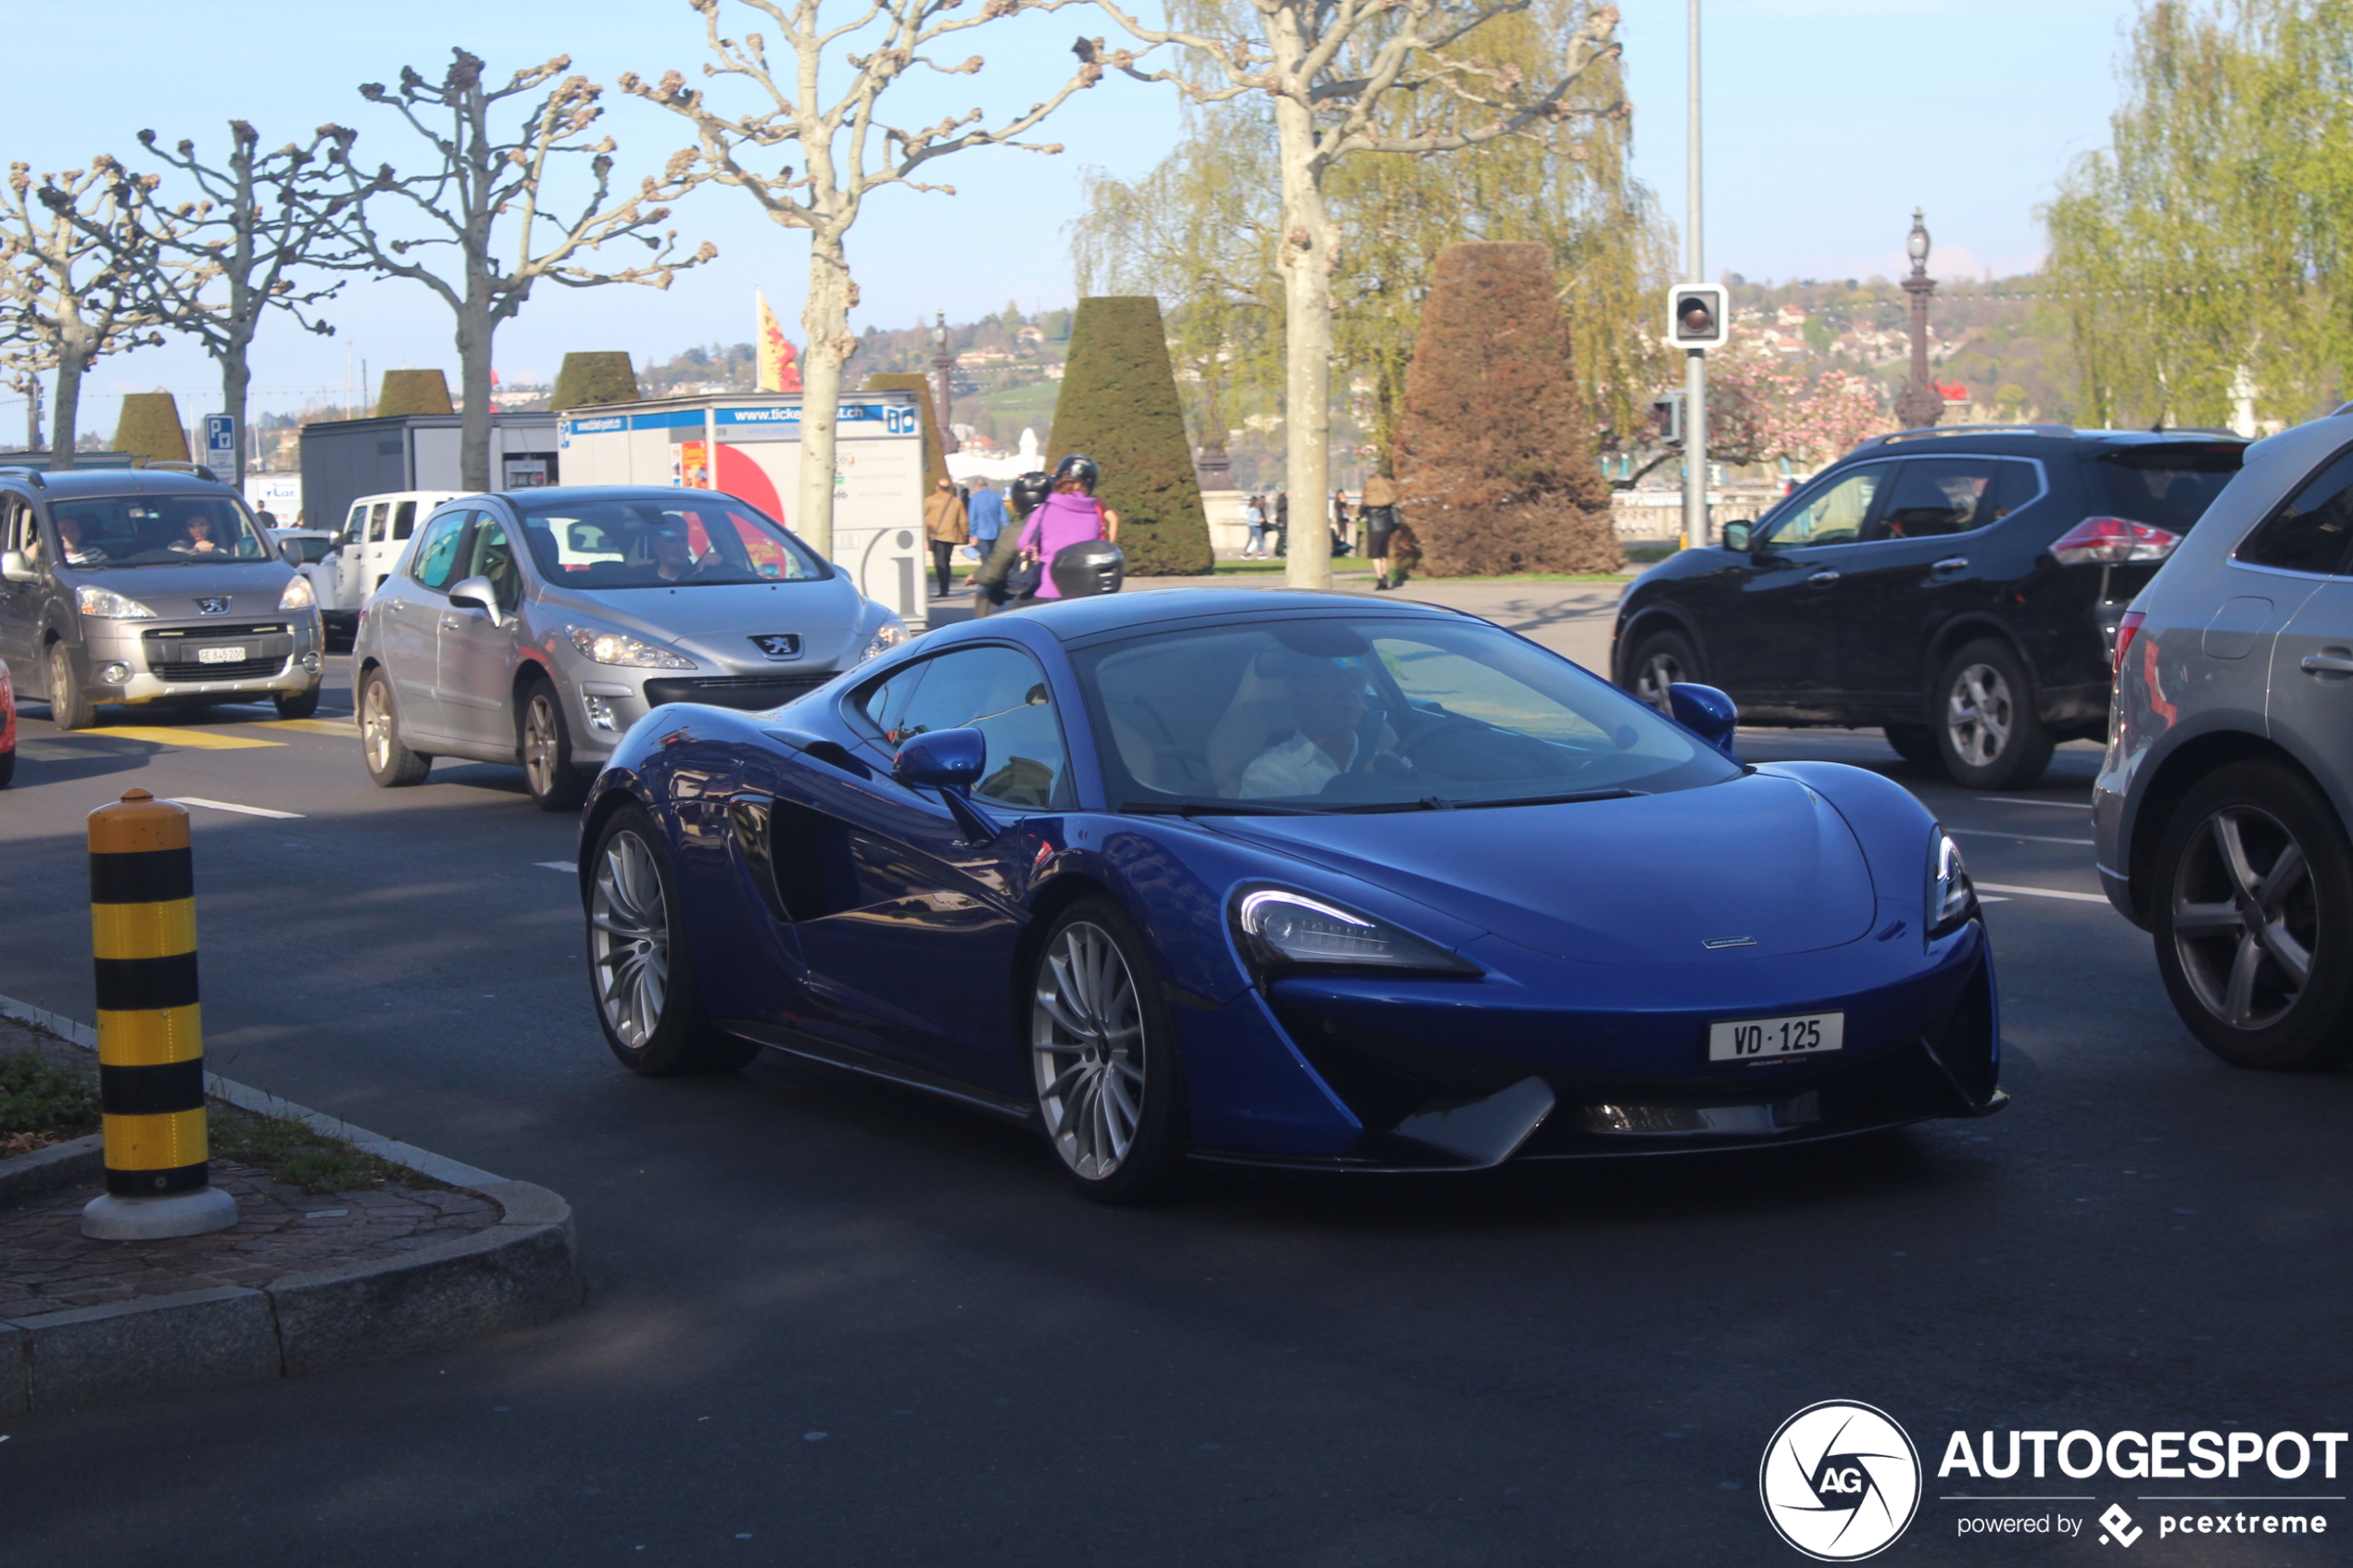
(1280, 929)
(1952, 898)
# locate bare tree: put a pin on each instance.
(1347, 76)
(481, 176)
(24, 359)
(225, 259)
(60, 276)
(845, 154)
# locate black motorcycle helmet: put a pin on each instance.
(1080, 467)
(1029, 492)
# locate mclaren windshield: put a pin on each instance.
(1371, 713)
(95, 533)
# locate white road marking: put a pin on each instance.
(2030, 838)
(229, 805)
(567, 867)
(2020, 800)
(2044, 892)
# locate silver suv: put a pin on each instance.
(537, 627)
(2222, 809)
(148, 586)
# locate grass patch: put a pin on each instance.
(298, 1154)
(41, 1103)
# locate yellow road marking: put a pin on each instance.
(203, 740)
(342, 727)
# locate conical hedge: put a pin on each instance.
(413, 392)
(587, 379)
(1118, 404)
(1495, 464)
(934, 458)
(150, 428)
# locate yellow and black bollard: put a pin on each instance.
(143, 933)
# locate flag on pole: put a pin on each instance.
(777, 371)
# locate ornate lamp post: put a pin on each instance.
(943, 365)
(1919, 403)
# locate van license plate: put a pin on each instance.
(221, 656)
(1765, 1039)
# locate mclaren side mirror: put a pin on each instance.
(951, 759)
(1705, 712)
(1737, 537)
(17, 567)
(475, 593)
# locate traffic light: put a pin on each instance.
(1695, 315)
(1667, 419)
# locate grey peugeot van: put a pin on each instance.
(2221, 811)
(148, 586)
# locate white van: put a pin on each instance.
(367, 547)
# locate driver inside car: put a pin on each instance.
(674, 558)
(1328, 712)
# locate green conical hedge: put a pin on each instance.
(413, 392)
(150, 428)
(1494, 457)
(1118, 404)
(587, 379)
(934, 458)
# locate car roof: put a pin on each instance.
(1076, 620)
(113, 482)
(537, 496)
(2024, 440)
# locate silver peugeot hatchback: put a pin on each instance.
(535, 627)
(148, 586)
(2221, 807)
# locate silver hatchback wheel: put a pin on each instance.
(542, 743)
(2245, 917)
(629, 940)
(1086, 1045)
(375, 727)
(1979, 714)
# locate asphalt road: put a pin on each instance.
(835, 1323)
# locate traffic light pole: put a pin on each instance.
(1695, 362)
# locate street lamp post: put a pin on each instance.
(1696, 524)
(1919, 403)
(943, 365)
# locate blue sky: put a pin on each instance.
(1826, 122)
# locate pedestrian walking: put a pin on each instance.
(1255, 513)
(1342, 535)
(1070, 516)
(1380, 526)
(1282, 523)
(1023, 497)
(944, 525)
(985, 516)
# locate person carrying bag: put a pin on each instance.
(1069, 516)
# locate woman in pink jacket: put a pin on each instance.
(1069, 516)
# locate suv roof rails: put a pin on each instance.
(22, 472)
(174, 465)
(1931, 433)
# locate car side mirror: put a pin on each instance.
(950, 761)
(290, 551)
(1737, 537)
(1705, 712)
(475, 593)
(17, 567)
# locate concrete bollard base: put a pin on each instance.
(108, 1218)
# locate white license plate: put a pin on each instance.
(1766, 1039)
(221, 656)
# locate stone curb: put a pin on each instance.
(522, 1270)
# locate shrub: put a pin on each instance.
(587, 379)
(934, 458)
(150, 428)
(1494, 454)
(413, 392)
(1118, 404)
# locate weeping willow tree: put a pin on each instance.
(1202, 231)
(2201, 258)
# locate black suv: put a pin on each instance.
(1959, 587)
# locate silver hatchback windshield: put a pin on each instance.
(662, 542)
(96, 533)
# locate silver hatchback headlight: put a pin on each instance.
(888, 635)
(621, 650)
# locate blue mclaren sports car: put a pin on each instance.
(1286, 879)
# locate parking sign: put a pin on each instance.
(220, 444)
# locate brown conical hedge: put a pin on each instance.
(587, 379)
(1496, 466)
(413, 392)
(934, 458)
(150, 428)
(1118, 404)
